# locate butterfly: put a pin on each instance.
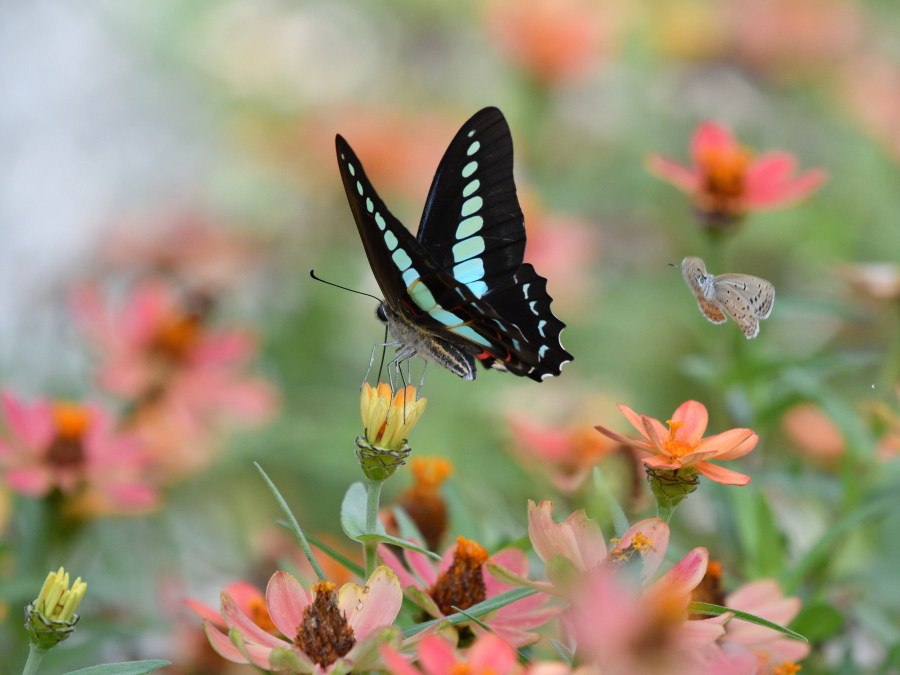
(745, 298)
(458, 292)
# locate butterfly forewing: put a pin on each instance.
(472, 224)
(759, 293)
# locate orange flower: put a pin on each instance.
(814, 433)
(682, 445)
(388, 419)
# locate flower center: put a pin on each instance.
(72, 421)
(709, 589)
(324, 635)
(674, 446)
(786, 668)
(463, 584)
(177, 335)
(724, 174)
(467, 669)
(621, 558)
(423, 501)
(259, 614)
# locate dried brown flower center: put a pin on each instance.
(324, 634)
(463, 584)
(423, 501)
(709, 589)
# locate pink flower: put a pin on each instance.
(156, 349)
(564, 456)
(765, 599)
(580, 541)
(72, 448)
(682, 445)
(460, 581)
(726, 182)
(326, 630)
(555, 41)
(814, 434)
(488, 655)
(249, 600)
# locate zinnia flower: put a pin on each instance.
(726, 182)
(682, 445)
(814, 433)
(460, 581)
(422, 501)
(389, 417)
(326, 631)
(73, 448)
(249, 600)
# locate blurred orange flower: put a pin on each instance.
(682, 445)
(875, 281)
(555, 41)
(814, 433)
(726, 182)
(422, 501)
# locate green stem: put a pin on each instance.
(373, 495)
(35, 656)
(890, 371)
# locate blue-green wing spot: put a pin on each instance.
(401, 259)
(471, 205)
(422, 296)
(359, 188)
(541, 325)
(369, 206)
(391, 240)
(409, 276)
(380, 221)
(469, 226)
(473, 148)
(471, 187)
(467, 332)
(469, 169)
(445, 317)
(468, 248)
(350, 167)
(470, 270)
(542, 350)
(525, 290)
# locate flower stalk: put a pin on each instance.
(373, 495)
(670, 488)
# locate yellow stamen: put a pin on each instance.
(786, 668)
(674, 447)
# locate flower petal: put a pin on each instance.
(422, 566)
(656, 530)
(491, 654)
(235, 618)
(697, 634)
(695, 418)
(397, 664)
(684, 576)
(392, 561)
(380, 601)
(222, 644)
(32, 424)
(721, 475)
(638, 424)
(204, 612)
(653, 435)
(730, 444)
(681, 176)
(436, 655)
(662, 462)
(710, 135)
(286, 601)
(637, 445)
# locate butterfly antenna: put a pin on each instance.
(312, 273)
(674, 265)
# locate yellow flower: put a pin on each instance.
(57, 602)
(388, 420)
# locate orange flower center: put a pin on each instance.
(423, 501)
(724, 179)
(324, 634)
(177, 335)
(786, 668)
(72, 421)
(466, 669)
(463, 584)
(676, 448)
(259, 614)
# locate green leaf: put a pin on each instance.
(478, 610)
(294, 525)
(342, 560)
(125, 668)
(761, 538)
(353, 522)
(717, 610)
(620, 520)
(819, 621)
(564, 652)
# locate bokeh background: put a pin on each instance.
(192, 144)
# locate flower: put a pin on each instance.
(814, 433)
(388, 418)
(564, 455)
(682, 446)
(877, 281)
(249, 600)
(73, 448)
(158, 351)
(51, 618)
(422, 501)
(325, 632)
(555, 41)
(726, 182)
(460, 581)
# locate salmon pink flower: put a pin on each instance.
(326, 631)
(682, 445)
(158, 350)
(249, 600)
(726, 182)
(72, 448)
(814, 434)
(460, 581)
(564, 455)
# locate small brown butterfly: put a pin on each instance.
(745, 298)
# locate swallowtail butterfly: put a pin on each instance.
(458, 292)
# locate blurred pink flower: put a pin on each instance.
(326, 630)
(764, 598)
(75, 449)
(726, 182)
(460, 580)
(565, 456)
(247, 598)
(682, 445)
(156, 350)
(814, 434)
(580, 541)
(792, 37)
(554, 41)
(629, 632)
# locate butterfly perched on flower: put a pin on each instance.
(458, 292)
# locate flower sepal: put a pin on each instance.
(289, 660)
(367, 653)
(380, 463)
(46, 633)
(506, 576)
(671, 487)
(420, 598)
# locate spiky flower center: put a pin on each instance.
(324, 635)
(66, 451)
(463, 584)
(674, 446)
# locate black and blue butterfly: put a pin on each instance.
(458, 292)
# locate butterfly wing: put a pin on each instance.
(693, 269)
(746, 299)
(472, 224)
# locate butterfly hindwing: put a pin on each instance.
(472, 224)
(759, 293)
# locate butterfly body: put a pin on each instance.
(745, 298)
(458, 292)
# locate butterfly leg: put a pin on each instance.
(372, 359)
(396, 365)
(422, 382)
